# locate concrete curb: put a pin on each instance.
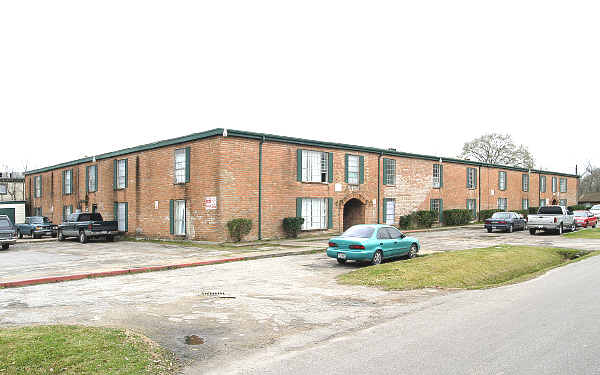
(57, 279)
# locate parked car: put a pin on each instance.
(552, 218)
(595, 210)
(87, 225)
(585, 219)
(372, 243)
(36, 227)
(8, 234)
(506, 221)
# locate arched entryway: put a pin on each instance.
(354, 213)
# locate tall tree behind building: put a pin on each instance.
(497, 148)
(590, 180)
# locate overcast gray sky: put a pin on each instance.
(82, 78)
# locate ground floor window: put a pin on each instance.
(525, 204)
(389, 207)
(472, 206)
(67, 210)
(37, 211)
(314, 212)
(435, 205)
(122, 216)
(563, 202)
(502, 203)
(542, 202)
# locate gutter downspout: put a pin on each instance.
(260, 147)
(378, 185)
(479, 191)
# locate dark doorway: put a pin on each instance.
(554, 202)
(354, 213)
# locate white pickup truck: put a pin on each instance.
(551, 218)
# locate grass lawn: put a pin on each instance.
(584, 233)
(467, 269)
(80, 350)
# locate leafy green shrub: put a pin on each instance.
(533, 210)
(457, 217)
(425, 219)
(292, 226)
(408, 221)
(525, 213)
(238, 228)
(486, 214)
(577, 207)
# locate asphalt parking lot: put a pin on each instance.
(277, 304)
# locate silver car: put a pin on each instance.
(596, 210)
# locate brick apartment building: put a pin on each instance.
(192, 186)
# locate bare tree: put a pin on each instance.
(590, 179)
(497, 148)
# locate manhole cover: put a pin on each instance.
(194, 340)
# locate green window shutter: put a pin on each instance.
(172, 216)
(298, 207)
(385, 174)
(441, 218)
(468, 171)
(71, 182)
(87, 179)
(63, 182)
(346, 168)
(384, 208)
(64, 213)
(441, 175)
(96, 178)
(475, 177)
(361, 169)
(126, 217)
(431, 205)
(126, 173)
(115, 169)
(394, 174)
(41, 186)
(299, 165)
(329, 213)
(330, 167)
(116, 211)
(187, 164)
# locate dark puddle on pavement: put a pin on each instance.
(193, 340)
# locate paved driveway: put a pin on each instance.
(281, 304)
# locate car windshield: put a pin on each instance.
(501, 215)
(550, 210)
(39, 220)
(359, 232)
(5, 223)
(580, 213)
(596, 207)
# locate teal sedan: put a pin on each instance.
(372, 243)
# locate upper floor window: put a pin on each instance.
(525, 182)
(182, 165)
(389, 171)
(68, 182)
(37, 182)
(315, 166)
(542, 184)
(554, 183)
(91, 176)
(563, 185)
(353, 169)
(471, 178)
(502, 180)
(438, 176)
(120, 174)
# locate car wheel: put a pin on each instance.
(5, 246)
(110, 238)
(53, 235)
(413, 251)
(510, 228)
(82, 237)
(489, 230)
(341, 261)
(532, 232)
(35, 236)
(19, 234)
(377, 258)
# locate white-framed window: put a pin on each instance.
(554, 185)
(121, 173)
(314, 212)
(435, 205)
(179, 217)
(38, 186)
(525, 182)
(122, 216)
(315, 166)
(563, 202)
(180, 166)
(502, 180)
(389, 171)
(542, 184)
(3, 189)
(353, 169)
(542, 202)
(563, 185)
(37, 211)
(390, 211)
(437, 176)
(471, 178)
(502, 203)
(472, 206)
(525, 204)
(67, 210)
(92, 173)
(68, 181)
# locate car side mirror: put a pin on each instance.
(402, 235)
